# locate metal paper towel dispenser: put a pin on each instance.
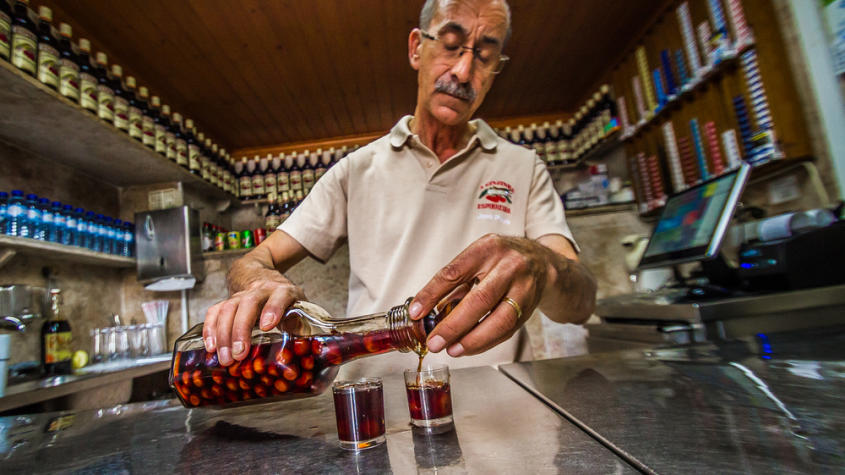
(168, 244)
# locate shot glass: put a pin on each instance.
(359, 408)
(429, 397)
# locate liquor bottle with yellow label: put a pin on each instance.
(55, 339)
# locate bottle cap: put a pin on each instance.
(85, 45)
(165, 109)
(130, 82)
(32, 196)
(201, 137)
(117, 70)
(144, 92)
(45, 13)
(65, 30)
(189, 123)
(102, 58)
(156, 101)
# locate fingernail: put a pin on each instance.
(455, 350)
(237, 348)
(267, 319)
(415, 309)
(209, 343)
(223, 356)
(436, 343)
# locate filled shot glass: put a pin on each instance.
(429, 397)
(359, 409)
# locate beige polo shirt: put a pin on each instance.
(405, 215)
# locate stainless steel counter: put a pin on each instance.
(31, 392)
(499, 428)
(768, 404)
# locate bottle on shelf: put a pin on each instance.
(160, 124)
(47, 223)
(284, 207)
(308, 172)
(105, 94)
(524, 140)
(33, 217)
(81, 227)
(87, 78)
(120, 106)
(323, 166)
(48, 49)
(24, 39)
(244, 182)
(552, 134)
(68, 65)
(270, 179)
(149, 113)
(283, 175)
(4, 208)
(298, 197)
(129, 237)
(92, 238)
(56, 339)
(539, 143)
(57, 232)
(15, 213)
(169, 134)
(296, 172)
(69, 236)
(5, 33)
(205, 163)
(137, 109)
(193, 149)
(257, 177)
(180, 146)
(272, 217)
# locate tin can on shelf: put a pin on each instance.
(260, 235)
(220, 242)
(233, 239)
(247, 239)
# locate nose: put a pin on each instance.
(462, 69)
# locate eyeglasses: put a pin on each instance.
(450, 46)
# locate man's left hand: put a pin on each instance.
(502, 268)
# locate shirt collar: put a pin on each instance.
(486, 136)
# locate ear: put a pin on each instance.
(415, 48)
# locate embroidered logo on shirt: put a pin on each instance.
(495, 195)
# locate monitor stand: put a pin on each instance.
(716, 279)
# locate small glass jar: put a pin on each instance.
(300, 358)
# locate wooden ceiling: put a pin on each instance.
(256, 73)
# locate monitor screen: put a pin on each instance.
(694, 221)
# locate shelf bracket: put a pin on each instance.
(6, 255)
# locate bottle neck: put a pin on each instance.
(405, 334)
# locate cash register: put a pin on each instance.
(692, 228)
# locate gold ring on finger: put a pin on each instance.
(515, 306)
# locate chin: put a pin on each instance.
(450, 115)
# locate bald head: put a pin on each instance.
(431, 7)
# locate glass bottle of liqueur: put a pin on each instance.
(539, 144)
(68, 65)
(105, 94)
(524, 140)
(514, 135)
(137, 109)
(24, 38)
(270, 180)
(215, 176)
(147, 117)
(245, 178)
(296, 173)
(180, 146)
(193, 148)
(169, 133)
(48, 49)
(258, 178)
(56, 339)
(552, 133)
(160, 124)
(206, 160)
(272, 217)
(121, 99)
(230, 181)
(308, 173)
(5, 29)
(283, 174)
(565, 142)
(87, 80)
(323, 166)
(285, 207)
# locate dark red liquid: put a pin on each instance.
(429, 401)
(360, 414)
(284, 369)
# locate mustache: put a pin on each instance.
(453, 88)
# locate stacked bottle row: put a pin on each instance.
(39, 218)
(564, 143)
(57, 62)
(281, 207)
(296, 172)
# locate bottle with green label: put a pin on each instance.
(48, 49)
(5, 28)
(56, 339)
(105, 94)
(24, 38)
(87, 80)
(68, 65)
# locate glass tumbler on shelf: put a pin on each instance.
(429, 397)
(299, 358)
(138, 341)
(157, 338)
(122, 340)
(110, 339)
(98, 346)
(359, 410)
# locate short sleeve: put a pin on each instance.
(545, 208)
(319, 223)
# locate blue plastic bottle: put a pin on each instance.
(119, 244)
(102, 243)
(70, 225)
(4, 206)
(15, 213)
(58, 222)
(129, 236)
(81, 228)
(33, 217)
(47, 223)
(91, 237)
(108, 241)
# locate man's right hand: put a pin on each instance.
(228, 324)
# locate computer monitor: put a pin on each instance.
(694, 221)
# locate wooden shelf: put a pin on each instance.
(601, 209)
(38, 119)
(62, 252)
(226, 253)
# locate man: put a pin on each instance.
(439, 202)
